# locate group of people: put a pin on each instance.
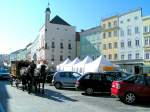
(33, 76)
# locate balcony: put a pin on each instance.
(110, 28)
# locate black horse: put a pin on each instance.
(33, 77)
(24, 74)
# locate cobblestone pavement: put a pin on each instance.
(65, 100)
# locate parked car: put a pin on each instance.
(4, 74)
(131, 89)
(65, 79)
(95, 82)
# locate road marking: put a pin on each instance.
(1, 108)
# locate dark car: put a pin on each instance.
(133, 88)
(4, 74)
(95, 82)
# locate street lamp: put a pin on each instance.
(52, 66)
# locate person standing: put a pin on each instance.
(32, 67)
(43, 75)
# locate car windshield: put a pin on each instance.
(76, 75)
(129, 77)
(125, 75)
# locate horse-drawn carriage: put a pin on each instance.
(26, 74)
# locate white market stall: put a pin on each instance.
(60, 67)
(79, 67)
(98, 65)
(69, 67)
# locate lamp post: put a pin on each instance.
(52, 66)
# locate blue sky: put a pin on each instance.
(20, 20)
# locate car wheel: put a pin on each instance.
(89, 91)
(58, 85)
(130, 98)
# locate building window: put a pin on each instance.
(121, 33)
(129, 43)
(110, 56)
(46, 47)
(136, 29)
(109, 34)
(69, 46)
(128, 31)
(109, 25)
(104, 26)
(115, 45)
(122, 57)
(128, 20)
(61, 58)
(110, 45)
(53, 45)
(146, 29)
(104, 35)
(93, 57)
(104, 46)
(115, 23)
(122, 44)
(147, 56)
(61, 45)
(69, 57)
(146, 41)
(115, 33)
(121, 21)
(137, 43)
(137, 55)
(129, 56)
(52, 59)
(135, 17)
(115, 56)
(104, 56)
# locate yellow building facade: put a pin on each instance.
(146, 36)
(109, 38)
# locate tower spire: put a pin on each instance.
(47, 15)
(48, 4)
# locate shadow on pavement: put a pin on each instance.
(145, 104)
(4, 96)
(56, 96)
(68, 89)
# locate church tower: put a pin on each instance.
(47, 16)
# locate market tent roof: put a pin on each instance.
(67, 61)
(81, 64)
(69, 67)
(60, 66)
(97, 65)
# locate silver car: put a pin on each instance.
(65, 79)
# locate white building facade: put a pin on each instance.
(131, 40)
(56, 40)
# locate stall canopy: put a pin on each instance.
(79, 67)
(98, 65)
(69, 67)
(60, 67)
